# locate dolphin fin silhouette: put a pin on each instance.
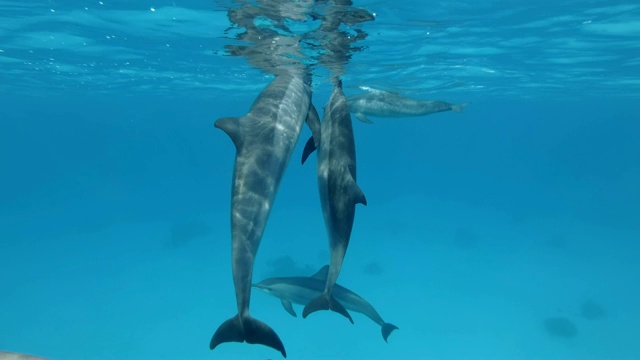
(249, 329)
(387, 329)
(325, 301)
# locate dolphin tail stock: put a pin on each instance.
(325, 302)
(387, 328)
(249, 329)
(458, 107)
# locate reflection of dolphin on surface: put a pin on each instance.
(339, 192)
(300, 290)
(5, 355)
(389, 104)
(264, 140)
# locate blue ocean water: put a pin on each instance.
(481, 226)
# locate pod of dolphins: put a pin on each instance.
(266, 136)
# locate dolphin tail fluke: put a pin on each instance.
(325, 302)
(229, 331)
(387, 329)
(458, 107)
(248, 329)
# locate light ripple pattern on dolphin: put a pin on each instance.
(264, 141)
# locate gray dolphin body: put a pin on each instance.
(339, 192)
(388, 104)
(264, 141)
(6, 355)
(300, 290)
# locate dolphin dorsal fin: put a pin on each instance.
(231, 126)
(322, 273)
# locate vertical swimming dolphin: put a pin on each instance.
(264, 140)
(339, 192)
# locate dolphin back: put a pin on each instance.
(247, 329)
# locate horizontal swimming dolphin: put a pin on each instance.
(300, 290)
(390, 104)
(6, 355)
(264, 140)
(339, 192)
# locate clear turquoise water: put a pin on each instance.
(115, 187)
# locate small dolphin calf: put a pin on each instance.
(300, 290)
(389, 104)
(339, 192)
(264, 141)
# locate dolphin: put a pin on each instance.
(390, 104)
(6, 355)
(264, 140)
(300, 290)
(339, 192)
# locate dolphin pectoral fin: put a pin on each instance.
(459, 107)
(289, 307)
(387, 329)
(231, 126)
(359, 196)
(325, 302)
(248, 329)
(313, 122)
(309, 148)
(363, 118)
